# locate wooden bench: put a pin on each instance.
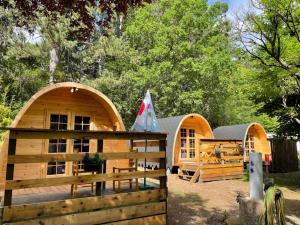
(120, 170)
(77, 171)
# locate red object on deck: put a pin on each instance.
(267, 159)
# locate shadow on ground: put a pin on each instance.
(188, 209)
(292, 211)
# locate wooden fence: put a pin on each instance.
(284, 155)
(132, 207)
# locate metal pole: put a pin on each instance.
(145, 181)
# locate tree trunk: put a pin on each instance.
(54, 60)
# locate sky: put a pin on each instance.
(234, 5)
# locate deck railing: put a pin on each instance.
(143, 206)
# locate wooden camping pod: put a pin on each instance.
(64, 106)
(253, 136)
(192, 148)
(183, 125)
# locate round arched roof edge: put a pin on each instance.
(66, 85)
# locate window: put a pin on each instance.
(183, 133)
(57, 122)
(192, 146)
(249, 145)
(81, 123)
(57, 146)
(192, 153)
(183, 143)
(191, 133)
(187, 143)
(56, 168)
(183, 153)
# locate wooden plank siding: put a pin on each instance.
(101, 216)
(62, 207)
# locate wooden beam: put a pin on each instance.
(99, 150)
(12, 143)
(150, 220)
(220, 141)
(25, 133)
(196, 175)
(101, 216)
(55, 208)
(59, 157)
(221, 165)
(81, 179)
(162, 163)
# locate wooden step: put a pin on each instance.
(196, 175)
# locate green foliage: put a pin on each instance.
(187, 60)
(182, 51)
(272, 38)
(274, 207)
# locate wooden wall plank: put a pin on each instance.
(102, 216)
(55, 208)
(150, 220)
(79, 156)
(81, 179)
(150, 143)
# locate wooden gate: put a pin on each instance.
(284, 155)
(129, 207)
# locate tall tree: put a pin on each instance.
(271, 35)
(182, 51)
(82, 16)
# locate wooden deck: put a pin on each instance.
(217, 160)
(48, 200)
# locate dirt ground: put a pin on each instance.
(212, 202)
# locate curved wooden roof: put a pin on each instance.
(100, 97)
(171, 126)
(238, 131)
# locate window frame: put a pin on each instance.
(80, 164)
(185, 136)
(49, 114)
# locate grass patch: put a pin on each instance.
(286, 181)
(246, 176)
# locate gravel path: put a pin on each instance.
(212, 202)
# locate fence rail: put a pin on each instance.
(59, 157)
(124, 208)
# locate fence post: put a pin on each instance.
(10, 171)
(162, 163)
(99, 150)
(1, 212)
